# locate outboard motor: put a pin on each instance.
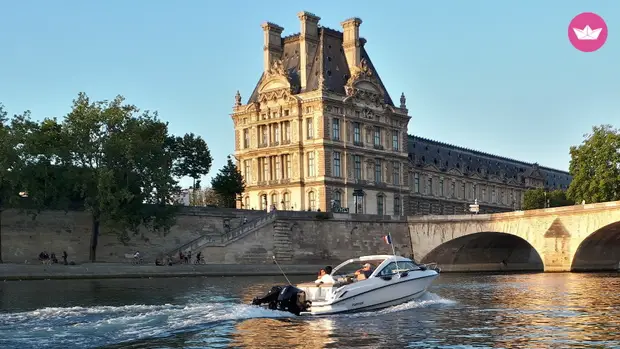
(271, 298)
(287, 298)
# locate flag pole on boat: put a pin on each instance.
(388, 240)
(282, 271)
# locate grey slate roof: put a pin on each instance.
(335, 69)
(430, 152)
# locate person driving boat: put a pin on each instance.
(325, 277)
(364, 273)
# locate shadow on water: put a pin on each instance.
(462, 310)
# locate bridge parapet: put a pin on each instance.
(555, 234)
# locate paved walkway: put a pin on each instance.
(118, 270)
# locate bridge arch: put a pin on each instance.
(599, 251)
(486, 251)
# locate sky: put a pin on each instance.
(495, 76)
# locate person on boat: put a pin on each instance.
(364, 273)
(325, 277)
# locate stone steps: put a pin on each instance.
(282, 246)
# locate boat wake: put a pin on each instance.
(88, 327)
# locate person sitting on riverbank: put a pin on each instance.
(325, 276)
(44, 257)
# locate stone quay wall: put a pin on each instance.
(24, 236)
(314, 238)
(295, 237)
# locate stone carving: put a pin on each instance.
(367, 113)
(403, 101)
(277, 68)
(363, 72)
(237, 99)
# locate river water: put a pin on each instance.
(459, 311)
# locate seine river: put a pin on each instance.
(460, 311)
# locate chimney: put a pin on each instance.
(272, 43)
(351, 41)
(309, 35)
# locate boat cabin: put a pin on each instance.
(381, 266)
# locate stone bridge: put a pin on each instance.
(570, 238)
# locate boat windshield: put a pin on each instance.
(397, 267)
(355, 263)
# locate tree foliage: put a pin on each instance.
(595, 166)
(106, 157)
(193, 158)
(558, 198)
(228, 183)
(9, 167)
(534, 199)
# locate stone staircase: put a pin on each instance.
(224, 239)
(283, 249)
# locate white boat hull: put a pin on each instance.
(376, 293)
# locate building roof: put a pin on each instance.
(431, 152)
(334, 70)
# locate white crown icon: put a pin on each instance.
(587, 33)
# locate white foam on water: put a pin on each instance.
(426, 300)
(87, 327)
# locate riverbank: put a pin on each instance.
(118, 270)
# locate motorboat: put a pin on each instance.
(394, 280)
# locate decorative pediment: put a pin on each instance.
(252, 107)
(455, 171)
(364, 85)
(276, 83)
(512, 181)
(477, 176)
(431, 167)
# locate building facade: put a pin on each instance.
(321, 132)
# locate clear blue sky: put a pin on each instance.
(498, 76)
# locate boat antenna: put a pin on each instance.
(282, 271)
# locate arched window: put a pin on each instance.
(337, 199)
(380, 204)
(287, 201)
(312, 200)
(274, 199)
(263, 202)
(246, 203)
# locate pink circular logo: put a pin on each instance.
(587, 32)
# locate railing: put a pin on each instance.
(226, 236)
(248, 227)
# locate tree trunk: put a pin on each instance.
(94, 238)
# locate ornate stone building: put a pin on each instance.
(320, 131)
(445, 179)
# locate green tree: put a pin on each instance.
(45, 161)
(121, 164)
(595, 166)
(9, 167)
(557, 198)
(540, 198)
(228, 183)
(193, 158)
(534, 199)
